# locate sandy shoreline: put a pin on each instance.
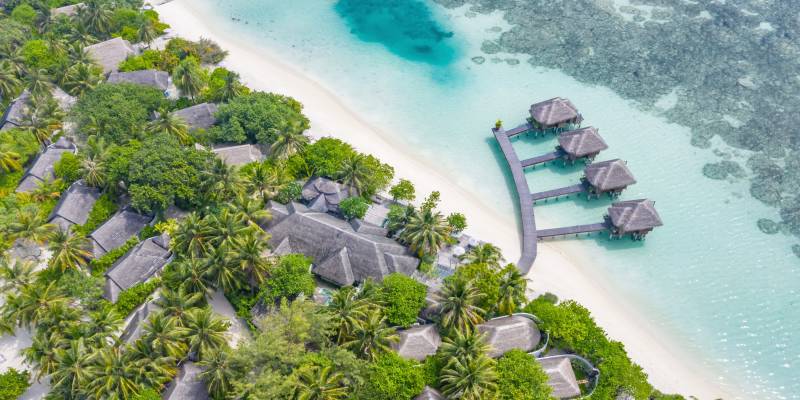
(555, 271)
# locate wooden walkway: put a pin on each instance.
(571, 230)
(541, 159)
(520, 129)
(558, 192)
(529, 240)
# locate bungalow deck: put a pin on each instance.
(572, 230)
(564, 191)
(542, 159)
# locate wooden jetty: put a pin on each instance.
(542, 159)
(564, 191)
(572, 230)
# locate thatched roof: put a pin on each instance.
(554, 111)
(14, 115)
(582, 142)
(609, 175)
(117, 230)
(138, 265)
(418, 342)
(239, 154)
(429, 393)
(510, 332)
(187, 385)
(75, 205)
(148, 77)
(634, 215)
(560, 377)
(69, 10)
(340, 254)
(324, 195)
(133, 329)
(42, 168)
(110, 53)
(200, 116)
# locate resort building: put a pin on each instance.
(634, 217)
(343, 252)
(110, 53)
(117, 230)
(200, 116)
(133, 326)
(510, 332)
(42, 168)
(67, 11)
(187, 385)
(560, 377)
(611, 177)
(418, 342)
(429, 393)
(554, 113)
(74, 206)
(239, 154)
(15, 114)
(148, 77)
(324, 195)
(137, 265)
(584, 143)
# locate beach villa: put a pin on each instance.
(117, 230)
(42, 168)
(199, 116)
(324, 195)
(187, 385)
(15, 114)
(137, 265)
(74, 206)
(110, 53)
(238, 154)
(149, 77)
(418, 342)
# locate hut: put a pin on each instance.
(15, 114)
(429, 393)
(324, 195)
(133, 328)
(110, 53)
(42, 168)
(67, 11)
(554, 113)
(239, 154)
(584, 143)
(200, 116)
(187, 385)
(148, 77)
(510, 332)
(634, 217)
(418, 342)
(343, 252)
(117, 230)
(136, 266)
(74, 206)
(611, 177)
(560, 377)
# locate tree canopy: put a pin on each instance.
(116, 112)
(258, 117)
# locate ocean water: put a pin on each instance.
(710, 277)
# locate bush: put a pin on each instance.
(485, 280)
(68, 168)
(101, 264)
(37, 55)
(204, 50)
(403, 190)
(150, 59)
(520, 377)
(148, 232)
(13, 384)
(288, 193)
(102, 210)
(354, 207)
(404, 298)
(289, 278)
(135, 296)
(457, 222)
(392, 377)
(257, 117)
(147, 394)
(116, 112)
(24, 14)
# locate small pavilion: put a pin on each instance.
(554, 113)
(611, 177)
(633, 217)
(584, 143)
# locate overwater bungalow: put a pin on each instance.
(324, 195)
(74, 206)
(560, 377)
(429, 393)
(418, 342)
(187, 385)
(148, 77)
(554, 113)
(117, 230)
(110, 53)
(42, 168)
(510, 332)
(607, 177)
(634, 217)
(584, 143)
(137, 265)
(200, 116)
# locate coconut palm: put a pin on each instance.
(177, 303)
(469, 379)
(38, 303)
(216, 373)
(102, 325)
(267, 180)
(372, 337)
(71, 374)
(9, 81)
(231, 88)
(151, 368)
(147, 32)
(288, 142)
(484, 253)
(319, 383)
(512, 291)
(12, 56)
(191, 275)
(251, 211)
(9, 160)
(96, 15)
(193, 237)
(39, 82)
(224, 180)
(162, 333)
(188, 77)
(49, 189)
(348, 310)
(462, 345)
(93, 172)
(15, 273)
(29, 225)
(426, 232)
(80, 36)
(204, 332)
(42, 354)
(355, 173)
(69, 251)
(250, 251)
(458, 301)
(226, 226)
(172, 125)
(113, 374)
(81, 78)
(223, 270)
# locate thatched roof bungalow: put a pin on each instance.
(560, 377)
(110, 53)
(239, 154)
(634, 217)
(554, 113)
(14, 115)
(510, 332)
(324, 195)
(418, 342)
(74, 206)
(133, 328)
(581, 143)
(187, 385)
(42, 168)
(117, 230)
(148, 77)
(611, 177)
(429, 393)
(200, 116)
(67, 11)
(342, 252)
(137, 265)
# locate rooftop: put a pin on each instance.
(634, 215)
(418, 342)
(117, 230)
(239, 154)
(554, 111)
(14, 115)
(110, 53)
(69, 10)
(75, 205)
(324, 195)
(609, 175)
(200, 116)
(582, 142)
(42, 168)
(510, 332)
(147, 77)
(137, 265)
(560, 377)
(429, 393)
(187, 385)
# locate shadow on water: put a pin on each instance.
(407, 28)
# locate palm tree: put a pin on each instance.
(191, 275)
(188, 77)
(458, 301)
(225, 180)
(223, 270)
(193, 237)
(9, 81)
(355, 173)
(151, 368)
(251, 211)
(81, 78)
(463, 345)
(69, 251)
(38, 303)
(12, 55)
(39, 82)
(288, 142)
(372, 336)
(225, 226)
(469, 379)
(484, 253)
(80, 36)
(348, 310)
(250, 251)
(267, 180)
(71, 373)
(319, 383)
(15, 273)
(113, 374)
(147, 32)
(94, 172)
(96, 15)
(102, 325)
(426, 232)
(512, 291)
(42, 354)
(9, 160)
(172, 125)
(48, 189)
(29, 225)
(216, 374)
(162, 332)
(204, 332)
(231, 88)
(177, 303)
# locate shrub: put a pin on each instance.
(99, 265)
(68, 168)
(257, 117)
(147, 394)
(392, 377)
(148, 232)
(290, 192)
(520, 377)
(134, 296)
(354, 207)
(37, 55)
(289, 278)
(24, 14)
(457, 222)
(485, 280)
(102, 210)
(403, 190)
(404, 298)
(116, 112)
(150, 59)
(13, 384)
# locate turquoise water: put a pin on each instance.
(709, 276)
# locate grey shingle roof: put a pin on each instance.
(560, 377)
(324, 195)
(510, 332)
(69, 10)
(609, 175)
(133, 330)
(110, 53)
(429, 393)
(634, 215)
(75, 204)
(147, 77)
(554, 111)
(200, 116)
(239, 154)
(418, 342)
(117, 230)
(341, 255)
(582, 142)
(187, 385)
(42, 167)
(137, 265)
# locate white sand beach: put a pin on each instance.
(559, 267)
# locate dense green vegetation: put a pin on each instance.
(13, 384)
(116, 112)
(135, 296)
(403, 297)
